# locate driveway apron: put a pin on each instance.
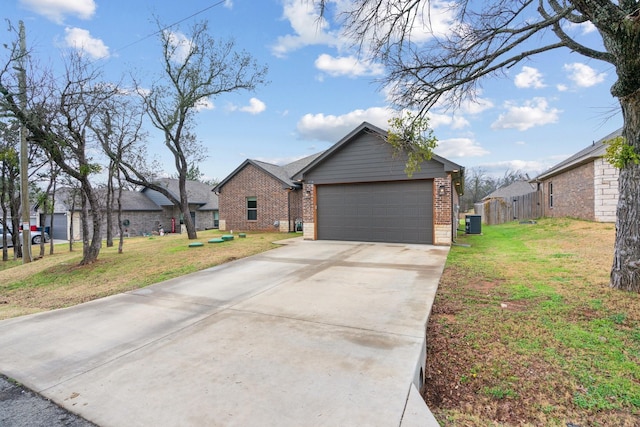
(312, 333)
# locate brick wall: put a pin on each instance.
(606, 191)
(573, 193)
(272, 202)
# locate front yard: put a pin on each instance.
(57, 280)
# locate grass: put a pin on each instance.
(57, 281)
(526, 331)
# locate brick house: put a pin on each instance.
(261, 196)
(203, 204)
(356, 190)
(142, 211)
(583, 186)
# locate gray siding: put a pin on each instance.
(367, 159)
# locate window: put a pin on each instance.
(252, 208)
(551, 194)
(216, 219)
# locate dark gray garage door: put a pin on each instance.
(399, 212)
(60, 230)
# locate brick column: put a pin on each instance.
(442, 211)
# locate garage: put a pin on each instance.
(359, 190)
(395, 212)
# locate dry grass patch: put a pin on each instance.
(526, 331)
(58, 280)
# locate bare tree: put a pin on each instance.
(57, 118)
(484, 40)
(118, 128)
(196, 68)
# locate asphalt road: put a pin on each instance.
(21, 407)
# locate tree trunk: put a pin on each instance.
(109, 206)
(625, 272)
(120, 226)
(184, 207)
(90, 250)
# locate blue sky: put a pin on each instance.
(542, 111)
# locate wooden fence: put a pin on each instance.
(519, 208)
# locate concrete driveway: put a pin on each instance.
(316, 333)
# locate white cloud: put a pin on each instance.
(453, 121)
(204, 104)
(180, 44)
(56, 10)
(255, 106)
(308, 28)
(436, 19)
(82, 41)
(476, 106)
(332, 128)
(532, 167)
(347, 66)
(460, 147)
(529, 77)
(583, 75)
(228, 4)
(535, 112)
(562, 88)
(583, 28)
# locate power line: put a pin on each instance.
(155, 33)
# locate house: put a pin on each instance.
(203, 205)
(262, 196)
(519, 200)
(508, 192)
(583, 186)
(356, 190)
(143, 212)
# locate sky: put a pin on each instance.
(542, 111)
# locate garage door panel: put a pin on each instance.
(380, 212)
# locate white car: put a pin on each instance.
(36, 237)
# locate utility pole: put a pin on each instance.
(24, 153)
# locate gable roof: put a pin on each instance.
(284, 173)
(516, 188)
(364, 127)
(198, 193)
(594, 151)
(131, 200)
(456, 170)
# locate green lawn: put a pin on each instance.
(57, 280)
(526, 331)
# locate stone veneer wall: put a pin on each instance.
(606, 191)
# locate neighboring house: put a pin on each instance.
(583, 186)
(203, 205)
(143, 212)
(356, 190)
(518, 200)
(508, 192)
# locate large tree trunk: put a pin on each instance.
(625, 273)
(90, 250)
(184, 207)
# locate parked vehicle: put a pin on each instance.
(36, 237)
